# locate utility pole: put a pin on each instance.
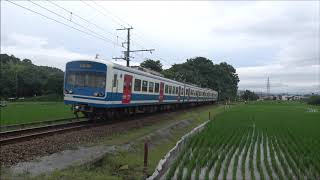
(127, 52)
(268, 88)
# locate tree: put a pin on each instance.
(314, 100)
(249, 96)
(21, 78)
(152, 64)
(204, 73)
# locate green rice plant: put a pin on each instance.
(306, 162)
(175, 164)
(265, 154)
(231, 154)
(285, 139)
(192, 162)
(251, 165)
(224, 141)
(281, 159)
(289, 155)
(258, 160)
(244, 156)
(309, 159)
(273, 159)
(225, 154)
(241, 146)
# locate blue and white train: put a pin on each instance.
(102, 88)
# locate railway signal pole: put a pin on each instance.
(127, 52)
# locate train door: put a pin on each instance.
(161, 92)
(114, 89)
(179, 93)
(127, 88)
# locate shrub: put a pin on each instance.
(314, 100)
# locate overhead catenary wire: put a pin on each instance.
(127, 24)
(124, 23)
(99, 11)
(72, 27)
(94, 24)
(103, 37)
(83, 29)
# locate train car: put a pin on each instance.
(101, 89)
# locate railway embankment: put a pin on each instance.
(116, 148)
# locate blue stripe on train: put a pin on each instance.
(116, 105)
(139, 97)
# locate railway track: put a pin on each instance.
(19, 135)
(37, 124)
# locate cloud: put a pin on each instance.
(305, 79)
(259, 38)
(34, 48)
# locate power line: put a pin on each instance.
(116, 17)
(58, 21)
(127, 24)
(72, 21)
(124, 22)
(68, 11)
(100, 12)
(127, 53)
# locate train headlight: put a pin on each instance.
(68, 91)
(98, 94)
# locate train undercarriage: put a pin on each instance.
(94, 113)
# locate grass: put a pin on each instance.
(25, 112)
(288, 134)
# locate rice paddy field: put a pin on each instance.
(260, 140)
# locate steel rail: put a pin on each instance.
(10, 137)
(20, 138)
(38, 123)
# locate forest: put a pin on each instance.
(21, 78)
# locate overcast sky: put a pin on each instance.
(260, 39)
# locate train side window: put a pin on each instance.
(151, 86)
(137, 85)
(115, 80)
(144, 86)
(177, 90)
(166, 89)
(170, 89)
(156, 87)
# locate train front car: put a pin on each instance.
(84, 84)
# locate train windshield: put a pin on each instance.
(86, 79)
